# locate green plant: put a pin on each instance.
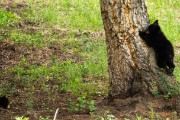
(156, 93)
(177, 71)
(30, 104)
(175, 116)
(22, 118)
(111, 117)
(46, 118)
(81, 103)
(1, 37)
(167, 88)
(158, 117)
(152, 113)
(33, 39)
(139, 117)
(7, 19)
(104, 115)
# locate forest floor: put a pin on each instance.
(42, 69)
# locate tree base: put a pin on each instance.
(142, 106)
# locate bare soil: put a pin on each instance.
(143, 106)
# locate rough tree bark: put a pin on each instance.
(131, 65)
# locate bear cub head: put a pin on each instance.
(154, 28)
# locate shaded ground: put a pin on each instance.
(35, 103)
(143, 107)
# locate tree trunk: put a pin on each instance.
(131, 64)
(133, 73)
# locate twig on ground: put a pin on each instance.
(55, 115)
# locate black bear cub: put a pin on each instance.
(164, 51)
(4, 102)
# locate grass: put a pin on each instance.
(68, 73)
(31, 39)
(7, 19)
(71, 14)
(83, 71)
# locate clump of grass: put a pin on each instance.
(167, 88)
(33, 39)
(81, 104)
(22, 118)
(176, 73)
(68, 75)
(177, 68)
(8, 19)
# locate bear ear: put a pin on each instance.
(156, 22)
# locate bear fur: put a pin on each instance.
(4, 102)
(164, 51)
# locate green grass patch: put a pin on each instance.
(74, 77)
(33, 39)
(67, 14)
(176, 73)
(7, 19)
(92, 50)
(68, 76)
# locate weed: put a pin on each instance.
(176, 73)
(65, 76)
(81, 103)
(139, 118)
(152, 113)
(175, 116)
(167, 88)
(22, 118)
(30, 102)
(42, 118)
(156, 93)
(7, 19)
(111, 117)
(104, 115)
(1, 37)
(33, 39)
